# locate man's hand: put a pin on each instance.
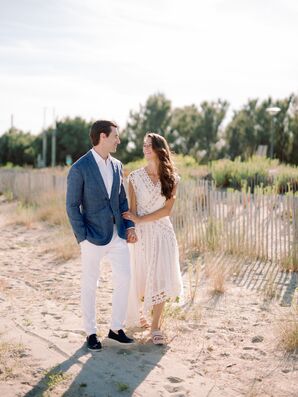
(131, 236)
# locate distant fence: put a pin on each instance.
(27, 184)
(258, 225)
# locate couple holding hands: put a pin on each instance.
(145, 273)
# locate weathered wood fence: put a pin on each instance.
(27, 185)
(258, 225)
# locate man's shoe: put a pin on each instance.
(120, 337)
(93, 343)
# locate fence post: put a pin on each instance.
(295, 231)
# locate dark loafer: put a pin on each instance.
(120, 337)
(93, 343)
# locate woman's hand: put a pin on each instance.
(131, 217)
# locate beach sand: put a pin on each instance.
(223, 344)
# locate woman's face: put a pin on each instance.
(149, 153)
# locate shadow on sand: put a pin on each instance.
(114, 371)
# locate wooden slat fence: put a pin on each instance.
(258, 225)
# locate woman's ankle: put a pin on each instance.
(154, 328)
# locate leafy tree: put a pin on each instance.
(72, 138)
(198, 130)
(212, 116)
(185, 125)
(280, 130)
(154, 116)
(252, 126)
(17, 147)
(293, 132)
(241, 132)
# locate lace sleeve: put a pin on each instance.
(132, 179)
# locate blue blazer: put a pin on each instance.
(90, 210)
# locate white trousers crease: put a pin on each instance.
(118, 255)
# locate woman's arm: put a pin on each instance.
(123, 203)
(154, 216)
(132, 199)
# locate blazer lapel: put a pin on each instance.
(97, 175)
(115, 177)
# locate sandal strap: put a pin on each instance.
(144, 323)
(157, 333)
(158, 336)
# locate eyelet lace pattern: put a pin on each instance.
(155, 265)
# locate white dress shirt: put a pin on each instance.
(106, 170)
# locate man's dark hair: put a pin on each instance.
(98, 127)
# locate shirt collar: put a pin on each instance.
(99, 159)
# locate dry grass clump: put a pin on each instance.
(287, 328)
(48, 207)
(63, 245)
(289, 264)
(216, 272)
(289, 336)
(194, 275)
(269, 290)
(10, 355)
(288, 332)
(173, 311)
(218, 282)
(23, 215)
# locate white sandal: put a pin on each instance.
(158, 338)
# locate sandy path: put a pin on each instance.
(211, 353)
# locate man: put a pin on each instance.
(95, 201)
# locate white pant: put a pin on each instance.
(118, 254)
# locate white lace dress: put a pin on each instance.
(155, 257)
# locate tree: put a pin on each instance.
(17, 147)
(184, 126)
(253, 126)
(212, 116)
(293, 132)
(281, 132)
(197, 130)
(72, 138)
(154, 116)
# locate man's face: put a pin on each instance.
(112, 141)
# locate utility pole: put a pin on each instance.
(44, 139)
(54, 140)
(11, 122)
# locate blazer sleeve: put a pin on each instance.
(123, 203)
(74, 195)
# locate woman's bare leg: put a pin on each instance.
(157, 312)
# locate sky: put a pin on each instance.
(101, 59)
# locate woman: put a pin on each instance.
(155, 266)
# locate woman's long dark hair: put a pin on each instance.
(166, 169)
